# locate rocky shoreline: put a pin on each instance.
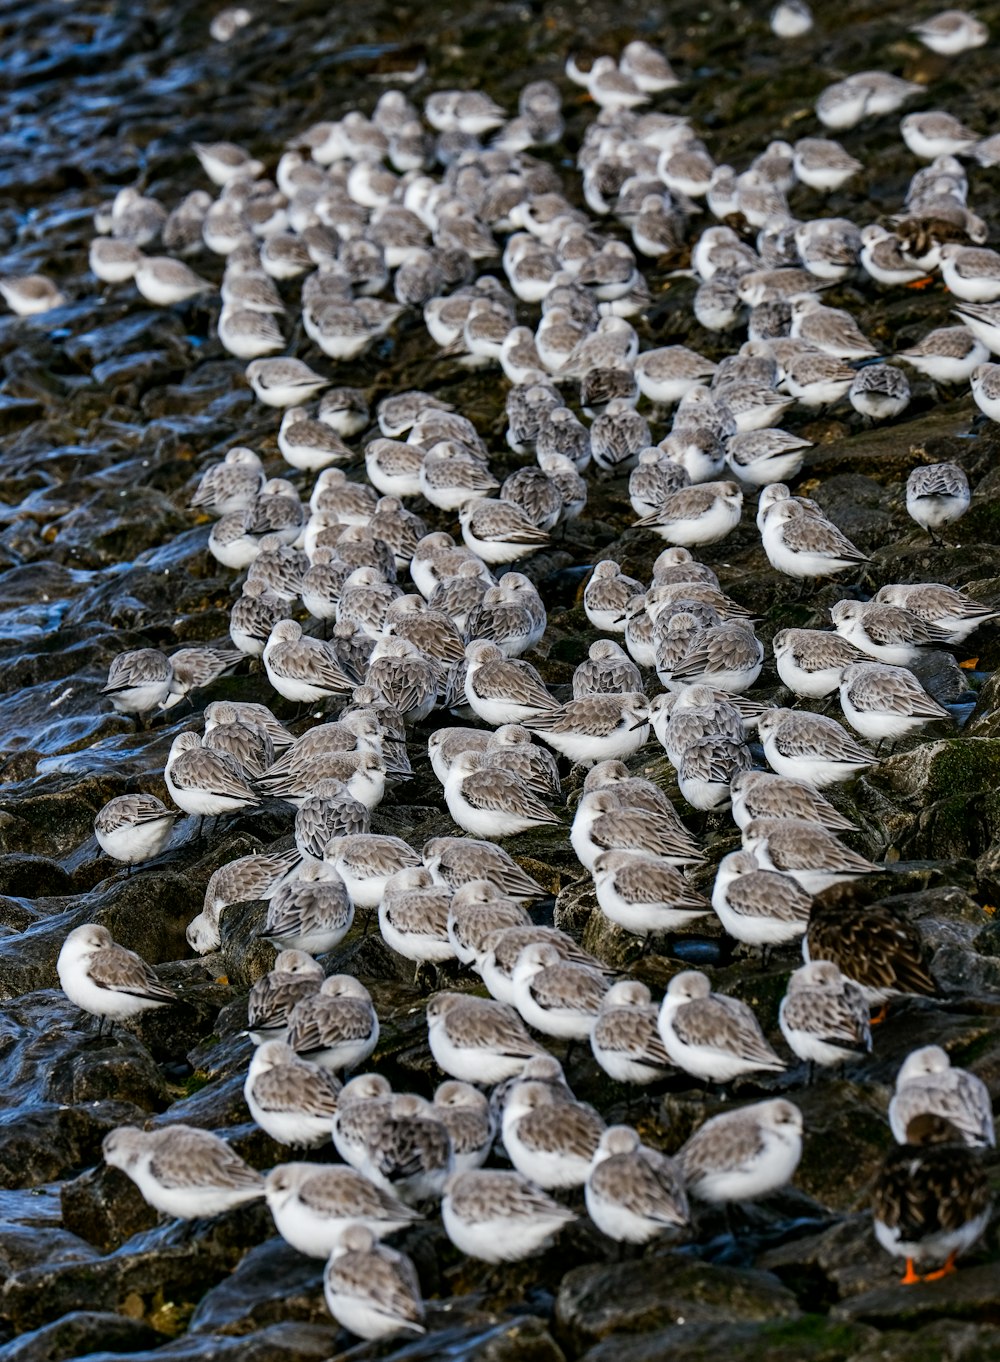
(108, 414)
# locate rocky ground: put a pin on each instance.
(108, 411)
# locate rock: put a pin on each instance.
(524, 1339)
(273, 1283)
(629, 1298)
(810, 1339)
(276, 1343)
(32, 876)
(105, 1207)
(969, 1294)
(82, 1332)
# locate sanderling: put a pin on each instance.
(499, 951)
(138, 681)
(284, 382)
(947, 355)
(29, 295)
(290, 1099)
(885, 632)
(985, 384)
(105, 979)
(936, 133)
(666, 374)
(703, 514)
(312, 1205)
(549, 1140)
(823, 164)
(363, 1102)
(937, 494)
(758, 907)
(760, 457)
(510, 615)
(408, 1150)
(371, 1290)
(230, 486)
(625, 1038)
(312, 912)
(478, 1040)
(744, 1154)
(444, 745)
(499, 1216)
(477, 910)
(328, 813)
(762, 794)
(810, 747)
(432, 631)
(927, 1083)
(492, 802)
(634, 1193)
(707, 767)
(193, 668)
(952, 612)
(971, 273)
(709, 1035)
(241, 881)
(499, 531)
(951, 32)
(813, 857)
(183, 1171)
(164, 281)
(595, 727)
(510, 747)
(690, 713)
(203, 782)
(823, 1016)
(555, 996)
(879, 392)
(302, 669)
(113, 261)
(605, 597)
(791, 19)
(799, 543)
(335, 1026)
(881, 701)
(456, 861)
(466, 1114)
(413, 916)
(727, 657)
(605, 821)
(931, 1200)
(404, 677)
(249, 746)
(503, 690)
(294, 976)
(810, 662)
(644, 894)
(134, 827)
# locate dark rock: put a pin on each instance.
(810, 1339)
(80, 1333)
(105, 1207)
(639, 1297)
(969, 1294)
(273, 1283)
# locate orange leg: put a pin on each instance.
(911, 1276)
(942, 1271)
(877, 1020)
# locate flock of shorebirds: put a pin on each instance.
(397, 622)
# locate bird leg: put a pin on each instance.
(948, 1268)
(880, 1015)
(911, 1277)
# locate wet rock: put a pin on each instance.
(32, 876)
(812, 1339)
(969, 1294)
(627, 1298)
(524, 1339)
(273, 1283)
(276, 1343)
(105, 1207)
(80, 1333)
